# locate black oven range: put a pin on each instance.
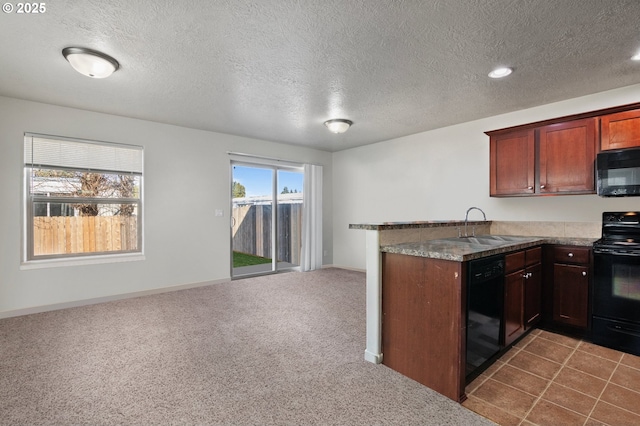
(616, 283)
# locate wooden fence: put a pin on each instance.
(84, 234)
(252, 231)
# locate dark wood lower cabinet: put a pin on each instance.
(533, 296)
(513, 306)
(522, 292)
(424, 320)
(424, 308)
(566, 289)
(571, 295)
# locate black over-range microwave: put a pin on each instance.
(618, 173)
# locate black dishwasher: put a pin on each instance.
(485, 295)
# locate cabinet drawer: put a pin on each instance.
(567, 254)
(533, 256)
(521, 259)
(514, 262)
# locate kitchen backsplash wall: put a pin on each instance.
(525, 228)
(397, 236)
(548, 229)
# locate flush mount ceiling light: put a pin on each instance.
(89, 62)
(338, 125)
(500, 72)
(636, 57)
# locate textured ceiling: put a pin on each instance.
(277, 69)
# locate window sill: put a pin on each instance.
(79, 261)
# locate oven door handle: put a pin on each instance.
(614, 253)
(620, 329)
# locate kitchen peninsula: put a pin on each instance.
(425, 263)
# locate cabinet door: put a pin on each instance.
(424, 321)
(512, 163)
(567, 157)
(532, 295)
(513, 309)
(570, 294)
(621, 130)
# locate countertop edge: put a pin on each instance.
(463, 254)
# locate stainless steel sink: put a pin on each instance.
(486, 240)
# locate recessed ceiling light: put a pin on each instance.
(500, 72)
(636, 57)
(338, 125)
(90, 62)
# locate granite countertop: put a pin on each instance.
(461, 250)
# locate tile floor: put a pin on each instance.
(551, 379)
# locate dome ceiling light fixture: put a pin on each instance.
(90, 62)
(636, 57)
(338, 125)
(500, 72)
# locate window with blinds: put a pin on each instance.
(82, 197)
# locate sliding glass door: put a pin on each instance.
(266, 218)
(289, 217)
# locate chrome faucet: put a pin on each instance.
(466, 219)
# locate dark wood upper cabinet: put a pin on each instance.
(620, 130)
(553, 159)
(567, 154)
(557, 156)
(512, 163)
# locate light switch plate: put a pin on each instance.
(219, 213)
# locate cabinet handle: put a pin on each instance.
(570, 255)
(542, 186)
(584, 274)
(529, 187)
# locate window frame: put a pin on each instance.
(29, 259)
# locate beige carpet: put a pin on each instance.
(283, 349)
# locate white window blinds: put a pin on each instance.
(47, 151)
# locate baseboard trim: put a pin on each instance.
(93, 301)
(344, 267)
(371, 357)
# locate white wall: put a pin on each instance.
(434, 175)
(437, 175)
(186, 179)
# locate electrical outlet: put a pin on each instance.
(218, 213)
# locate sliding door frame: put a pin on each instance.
(262, 164)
